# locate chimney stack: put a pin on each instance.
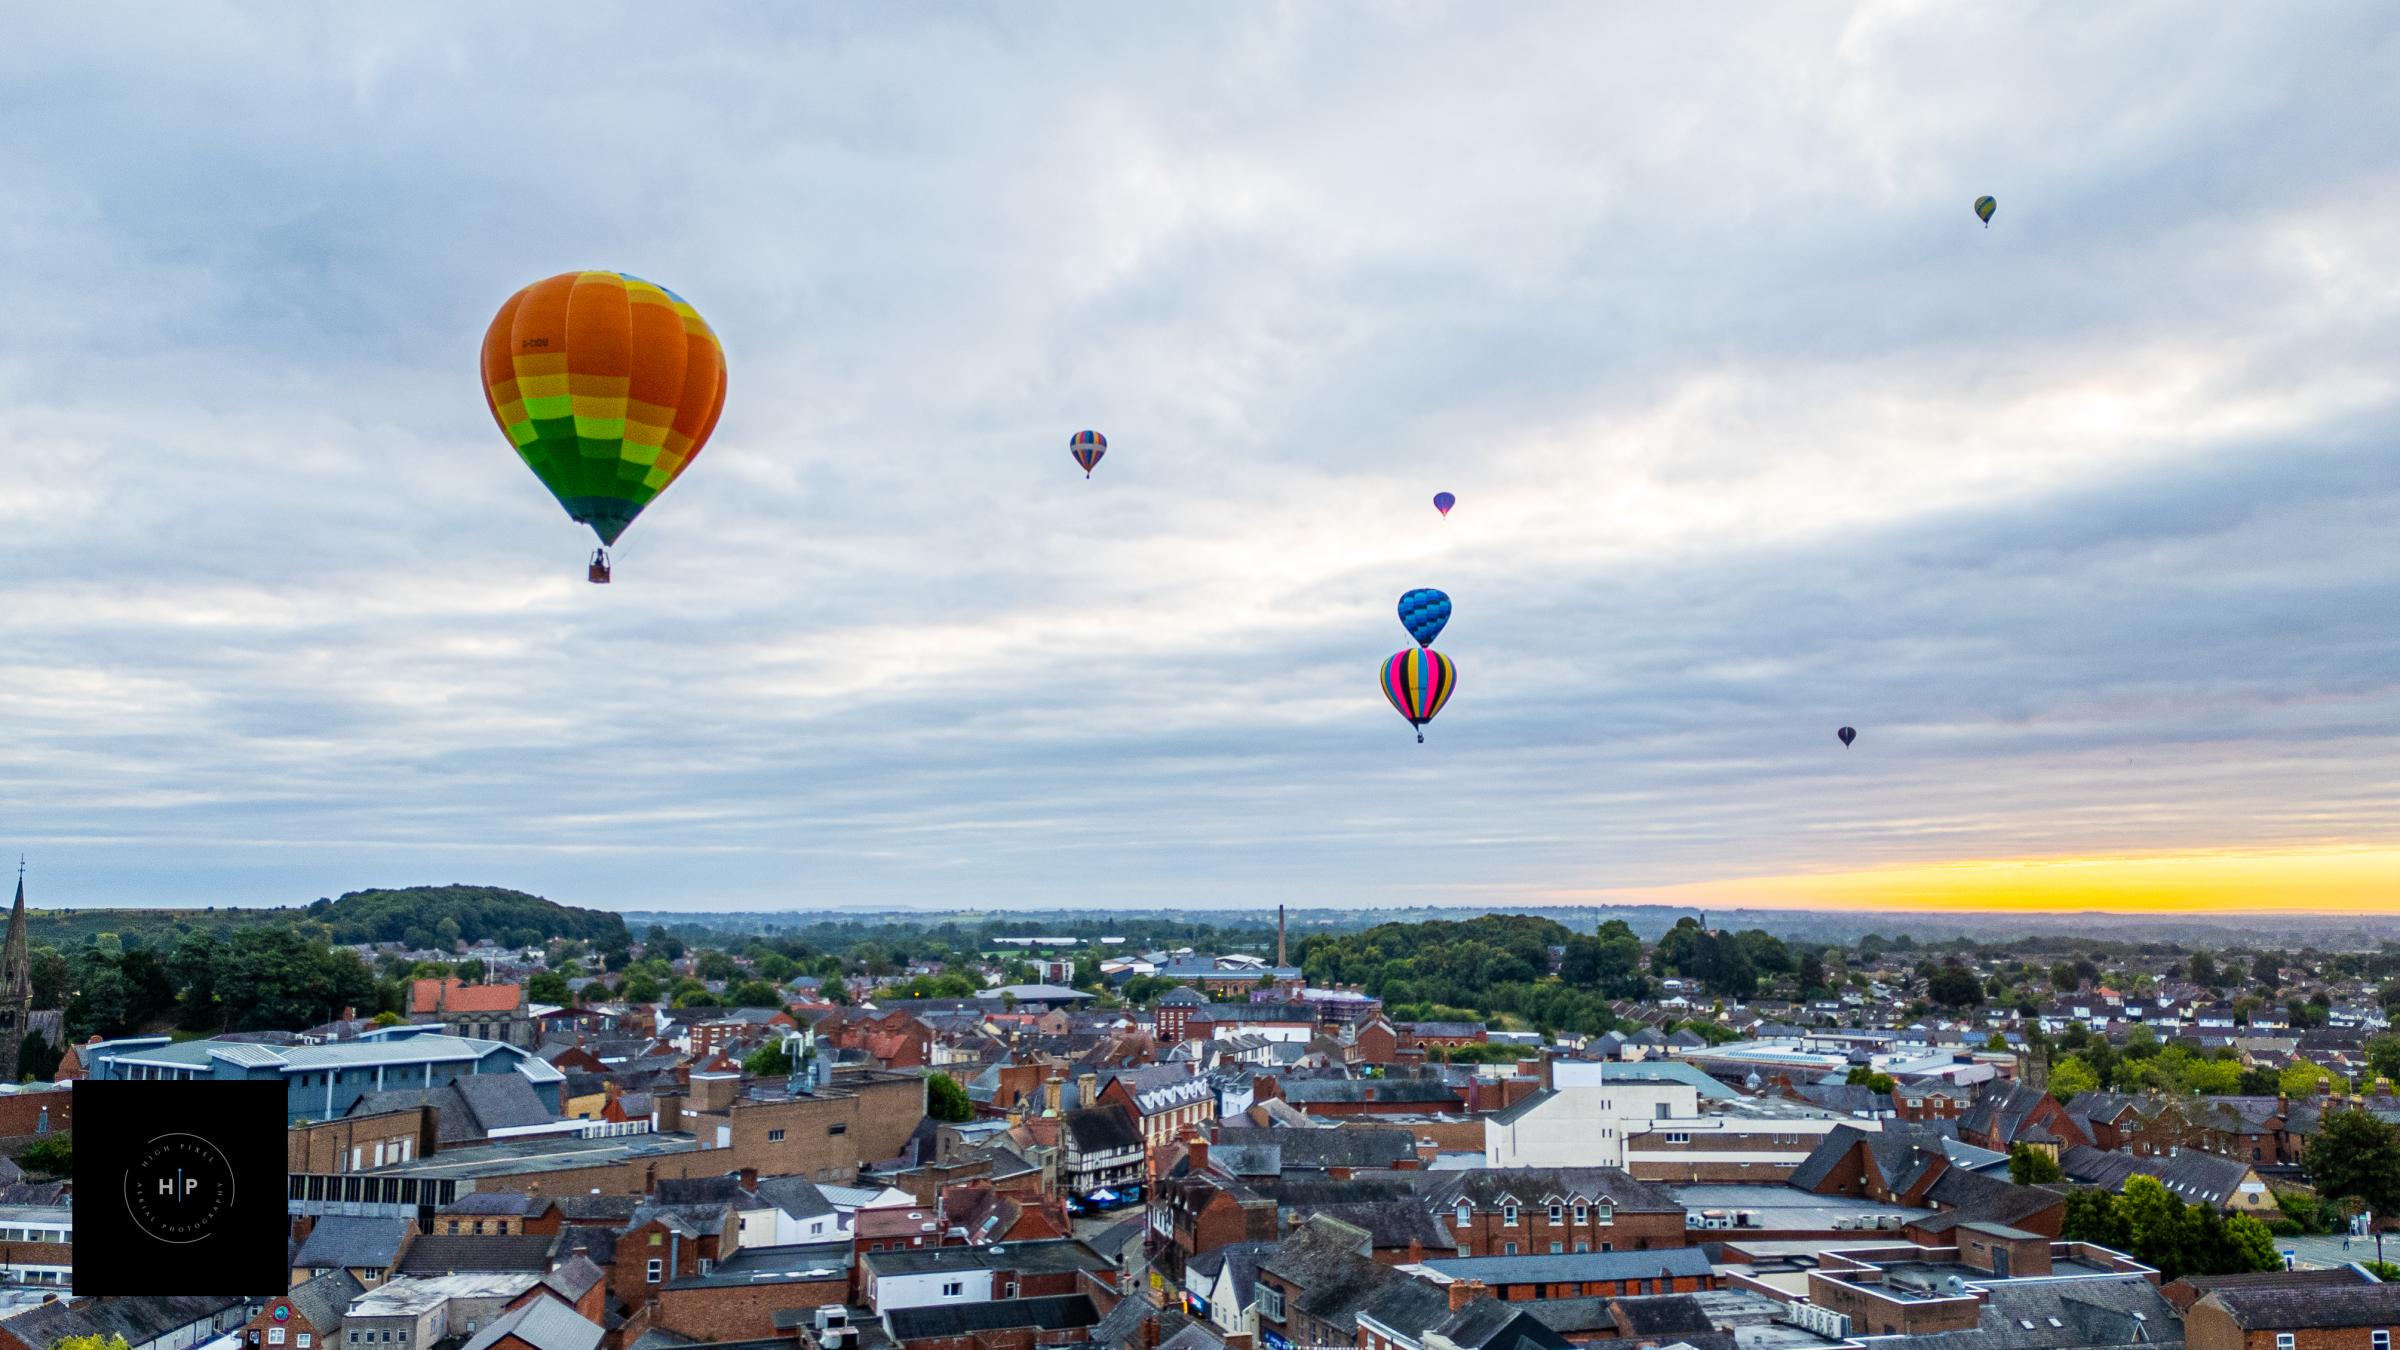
(1195, 1147)
(1279, 956)
(1464, 1292)
(1427, 1151)
(1052, 1087)
(1087, 1086)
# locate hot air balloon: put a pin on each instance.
(1848, 734)
(1418, 682)
(608, 385)
(1087, 447)
(1423, 613)
(1984, 207)
(1442, 502)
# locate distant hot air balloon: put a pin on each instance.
(608, 386)
(1423, 613)
(1442, 502)
(1848, 734)
(1984, 207)
(1087, 447)
(1418, 682)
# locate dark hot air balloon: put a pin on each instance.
(608, 386)
(1848, 734)
(1424, 612)
(1442, 502)
(1984, 207)
(1087, 447)
(1418, 681)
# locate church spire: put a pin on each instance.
(16, 984)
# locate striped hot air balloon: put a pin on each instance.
(608, 386)
(1984, 207)
(1418, 682)
(1087, 447)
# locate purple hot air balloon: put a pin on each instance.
(1442, 502)
(1848, 734)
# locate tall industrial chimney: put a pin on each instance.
(1279, 957)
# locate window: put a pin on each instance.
(657, 1268)
(1466, 1214)
(2284, 1340)
(1583, 1244)
(1508, 1215)
(954, 1288)
(2380, 1340)
(303, 1340)
(1270, 1302)
(658, 1239)
(1508, 1249)
(1583, 1213)
(1608, 1212)
(837, 1129)
(1679, 1136)
(1557, 1247)
(774, 1136)
(274, 1335)
(706, 1265)
(1558, 1213)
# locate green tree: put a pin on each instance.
(447, 933)
(1862, 1076)
(472, 970)
(641, 987)
(768, 1061)
(2267, 969)
(51, 1155)
(115, 1341)
(37, 1058)
(2029, 1166)
(1954, 987)
(753, 994)
(2302, 1079)
(2204, 970)
(2072, 1076)
(549, 986)
(2355, 1154)
(2383, 1056)
(946, 1100)
(2252, 1241)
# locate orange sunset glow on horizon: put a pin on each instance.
(2336, 879)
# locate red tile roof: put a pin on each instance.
(451, 995)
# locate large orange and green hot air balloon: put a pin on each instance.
(608, 385)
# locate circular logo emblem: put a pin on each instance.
(283, 1312)
(178, 1187)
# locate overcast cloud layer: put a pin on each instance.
(2087, 521)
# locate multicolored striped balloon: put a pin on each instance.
(1418, 682)
(608, 386)
(1087, 447)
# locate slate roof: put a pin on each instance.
(323, 1301)
(796, 1196)
(1304, 1091)
(514, 1204)
(2287, 1309)
(1489, 1187)
(142, 1317)
(344, 1240)
(2090, 1312)
(1318, 1150)
(468, 1107)
(964, 1319)
(1575, 1267)
(448, 1254)
(544, 1323)
(1489, 1324)
(1241, 1257)
(1660, 1315)
(1103, 1129)
(2193, 1176)
(1511, 1115)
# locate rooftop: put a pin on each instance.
(804, 1262)
(540, 1155)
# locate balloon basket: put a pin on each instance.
(597, 573)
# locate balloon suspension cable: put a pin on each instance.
(1420, 738)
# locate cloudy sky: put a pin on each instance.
(2089, 523)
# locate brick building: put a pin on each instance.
(308, 1318)
(736, 1298)
(824, 1133)
(1679, 1270)
(1200, 1213)
(490, 1012)
(1523, 1211)
(357, 1143)
(2358, 1317)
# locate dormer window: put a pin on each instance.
(1508, 1215)
(1583, 1214)
(1558, 1213)
(1466, 1214)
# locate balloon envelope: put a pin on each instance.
(1848, 734)
(1418, 681)
(607, 385)
(1087, 447)
(1984, 207)
(1424, 613)
(1443, 501)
